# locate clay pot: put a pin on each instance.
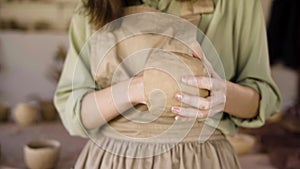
(42, 25)
(4, 112)
(275, 118)
(42, 154)
(242, 143)
(25, 114)
(48, 111)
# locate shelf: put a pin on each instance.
(34, 15)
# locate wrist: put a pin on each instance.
(228, 96)
(241, 101)
(136, 90)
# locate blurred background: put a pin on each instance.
(33, 45)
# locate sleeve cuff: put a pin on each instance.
(74, 124)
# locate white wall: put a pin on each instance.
(25, 59)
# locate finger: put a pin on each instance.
(203, 103)
(190, 112)
(217, 109)
(197, 50)
(217, 98)
(198, 81)
(181, 118)
(203, 82)
(195, 101)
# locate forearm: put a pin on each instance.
(241, 101)
(101, 106)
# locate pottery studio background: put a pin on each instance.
(33, 43)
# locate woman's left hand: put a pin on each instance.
(201, 107)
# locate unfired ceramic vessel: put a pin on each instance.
(43, 154)
(25, 114)
(48, 110)
(242, 143)
(4, 110)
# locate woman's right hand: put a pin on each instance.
(101, 106)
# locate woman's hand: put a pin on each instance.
(202, 107)
(99, 107)
(232, 98)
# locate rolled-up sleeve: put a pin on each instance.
(76, 79)
(253, 69)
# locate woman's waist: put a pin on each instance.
(162, 129)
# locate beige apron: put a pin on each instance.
(147, 136)
(164, 65)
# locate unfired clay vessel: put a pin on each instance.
(242, 143)
(43, 154)
(25, 114)
(48, 110)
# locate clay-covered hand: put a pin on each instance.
(200, 107)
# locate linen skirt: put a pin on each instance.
(109, 150)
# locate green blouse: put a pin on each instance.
(237, 30)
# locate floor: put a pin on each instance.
(13, 137)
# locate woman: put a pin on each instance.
(236, 29)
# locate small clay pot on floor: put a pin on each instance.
(42, 154)
(25, 114)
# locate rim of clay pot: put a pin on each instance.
(246, 137)
(43, 144)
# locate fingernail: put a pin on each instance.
(178, 97)
(175, 109)
(176, 118)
